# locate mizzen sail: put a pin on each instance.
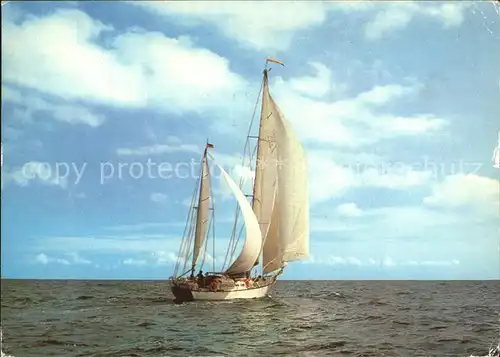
(203, 211)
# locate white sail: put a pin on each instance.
(277, 222)
(292, 200)
(203, 211)
(266, 168)
(271, 253)
(288, 235)
(496, 154)
(266, 172)
(253, 240)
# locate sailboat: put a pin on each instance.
(275, 228)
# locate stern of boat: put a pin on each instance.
(181, 290)
(182, 293)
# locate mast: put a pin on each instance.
(262, 203)
(281, 212)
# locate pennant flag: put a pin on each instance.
(210, 146)
(275, 61)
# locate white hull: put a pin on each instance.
(185, 293)
(253, 293)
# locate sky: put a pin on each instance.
(106, 108)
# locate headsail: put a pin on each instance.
(203, 210)
(496, 154)
(253, 240)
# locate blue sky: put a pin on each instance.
(396, 104)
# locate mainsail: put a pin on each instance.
(203, 211)
(266, 172)
(281, 201)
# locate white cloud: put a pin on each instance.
(28, 105)
(315, 86)
(385, 262)
(405, 178)
(136, 243)
(333, 260)
(77, 259)
(33, 171)
(74, 258)
(398, 222)
(158, 197)
(397, 16)
(59, 54)
(388, 262)
(162, 257)
(432, 262)
(391, 19)
(333, 172)
(263, 25)
(349, 210)
(42, 258)
(271, 26)
(465, 190)
(142, 226)
(173, 144)
(331, 179)
(350, 122)
(136, 262)
(449, 14)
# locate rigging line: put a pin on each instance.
(233, 234)
(230, 248)
(204, 254)
(237, 240)
(185, 233)
(280, 256)
(213, 216)
(189, 244)
(236, 243)
(247, 141)
(233, 243)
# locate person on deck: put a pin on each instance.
(200, 278)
